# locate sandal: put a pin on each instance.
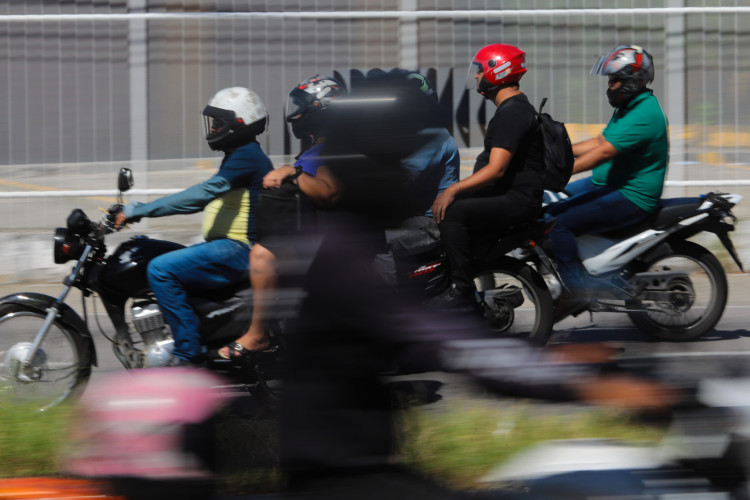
(237, 352)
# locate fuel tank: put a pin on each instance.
(124, 271)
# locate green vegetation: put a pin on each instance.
(30, 441)
(455, 446)
(458, 447)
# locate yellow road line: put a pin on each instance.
(36, 187)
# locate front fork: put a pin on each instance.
(53, 311)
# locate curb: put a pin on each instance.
(53, 488)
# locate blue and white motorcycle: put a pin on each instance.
(671, 288)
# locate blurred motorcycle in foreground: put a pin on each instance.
(705, 454)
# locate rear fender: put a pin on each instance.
(711, 225)
(68, 316)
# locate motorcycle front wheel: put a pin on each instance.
(57, 371)
(516, 300)
(696, 301)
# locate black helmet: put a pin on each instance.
(306, 104)
(385, 114)
(413, 99)
(233, 117)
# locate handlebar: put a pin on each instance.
(107, 221)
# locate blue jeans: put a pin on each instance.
(197, 268)
(591, 209)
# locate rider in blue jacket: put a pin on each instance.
(233, 118)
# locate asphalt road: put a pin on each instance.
(727, 347)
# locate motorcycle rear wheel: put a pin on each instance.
(533, 318)
(58, 371)
(700, 300)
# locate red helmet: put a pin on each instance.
(498, 64)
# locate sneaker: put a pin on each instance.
(608, 287)
(570, 305)
(455, 300)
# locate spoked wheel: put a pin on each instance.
(694, 300)
(516, 300)
(54, 374)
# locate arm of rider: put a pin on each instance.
(592, 153)
(274, 178)
(487, 175)
(188, 201)
(582, 147)
(323, 189)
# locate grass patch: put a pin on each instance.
(455, 446)
(462, 444)
(30, 441)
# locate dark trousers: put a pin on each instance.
(478, 219)
(592, 209)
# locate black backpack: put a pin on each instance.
(558, 151)
(284, 211)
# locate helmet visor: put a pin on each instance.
(618, 59)
(217, 122)
(297, 104)
(597, 68)
(475, 74)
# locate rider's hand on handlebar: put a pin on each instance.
(622, 391)
(615, 390)
(119, 219)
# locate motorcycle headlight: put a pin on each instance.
(67, 246)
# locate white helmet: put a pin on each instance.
(233, 117)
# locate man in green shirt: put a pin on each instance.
(628, 162)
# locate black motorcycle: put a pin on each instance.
(47, 349)
(513, 297)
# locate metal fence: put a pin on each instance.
(91, 86)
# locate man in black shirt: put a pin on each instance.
(506, 186)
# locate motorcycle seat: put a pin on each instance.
(670, 211)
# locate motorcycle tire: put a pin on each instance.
(698, 302)
(60, 370)
(516, 300)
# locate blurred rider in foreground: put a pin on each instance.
(336, 414)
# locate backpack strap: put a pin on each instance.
(544, 101)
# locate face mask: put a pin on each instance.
(614, 97)
(627, 91)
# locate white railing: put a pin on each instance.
(100, 85)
